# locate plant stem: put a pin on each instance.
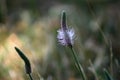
(30, 76)
(93, 70)
(111, 58)
(77, 63)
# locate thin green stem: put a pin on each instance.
(30, 76)
(93, 70)
(78, 64)
(111, 58)
(99, 28)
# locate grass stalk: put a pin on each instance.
(30, 76)
(78, 65)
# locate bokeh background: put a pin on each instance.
(31, 25)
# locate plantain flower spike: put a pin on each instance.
(65, 35)
(25, 59)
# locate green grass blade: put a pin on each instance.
(107, 75)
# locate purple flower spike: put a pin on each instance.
(65, 35)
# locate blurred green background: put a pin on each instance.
(32, 26)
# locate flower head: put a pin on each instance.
(65, 35)
(25, 59)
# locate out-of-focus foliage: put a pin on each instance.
(32, 26)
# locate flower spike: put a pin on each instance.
(65, 35)
(25, 59)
